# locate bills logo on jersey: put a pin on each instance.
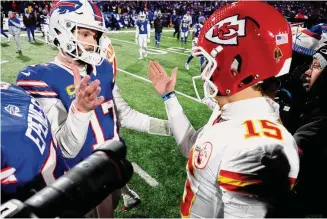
(65, 6)
(202, 155)
(13, 110)
(227, 31)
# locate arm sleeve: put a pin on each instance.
(69, 128)
(132, 119)
(128, 117)
(14, 23)
(181, 128)
(148, 26)
(137, 31)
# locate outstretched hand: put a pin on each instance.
(160, 79)
(87, 96)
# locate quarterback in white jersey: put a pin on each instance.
(243, 163)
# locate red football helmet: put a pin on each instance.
(243, 43)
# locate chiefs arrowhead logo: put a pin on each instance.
(227, 31)
(202, 155)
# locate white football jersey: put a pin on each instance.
(224, 166)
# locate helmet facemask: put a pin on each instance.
(73, 47)
(207, 70)
(142, 17)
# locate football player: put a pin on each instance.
(75, 90)
(184, 29)
(30, 157)
(142, 34)
(82, 113)
(45, 25)
(242, 163)
(196, 31)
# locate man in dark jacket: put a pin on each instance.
(176, 23)
(158, 28)
(29, 21)
(311, 138)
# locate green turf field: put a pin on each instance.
(157, 156)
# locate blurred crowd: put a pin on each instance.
(122, 14)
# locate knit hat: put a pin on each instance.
(321, 55)
(307, 41)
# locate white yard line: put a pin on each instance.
(125, 41)
(175, 38)
(4, 61)
(147, 80)
(133, 31)
(35, 34)
(144, 175)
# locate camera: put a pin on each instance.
(80, 189)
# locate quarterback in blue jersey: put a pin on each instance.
(142, 34)
(30, 157)
(184, 29)
(196, 31)
(77, 90)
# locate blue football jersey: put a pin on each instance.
(197, 29)
(28, 152)
(54, 80)
(143, 26)
(185, 26)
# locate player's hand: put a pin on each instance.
(148, 40)
(87, 96)
(160, 80)
(136, 41)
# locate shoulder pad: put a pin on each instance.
(35, 80)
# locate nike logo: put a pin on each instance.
(26, 73)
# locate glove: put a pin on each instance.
(148, 40)
(136, 41)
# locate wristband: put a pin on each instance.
(169, 95)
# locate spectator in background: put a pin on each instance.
(172, 19)
(177, 22)
(305, 44)
(2, 32)
(30, 23)
(14, 29)
(45, 25)
(311, 138)
(14, 6)
(301, 15)
(158, 28)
